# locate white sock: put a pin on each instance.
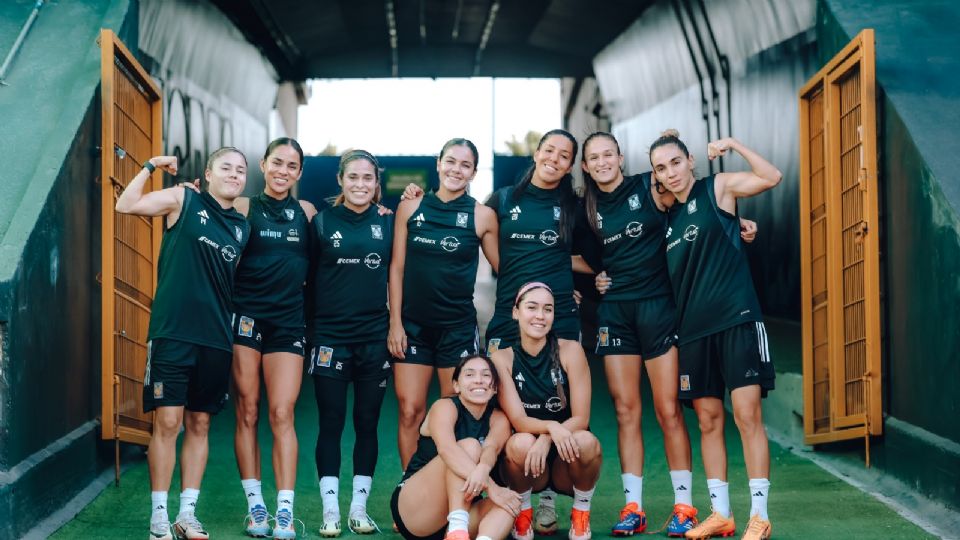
(581, 499)
(682, 481)
(633, 489)
(361, 490)
(484, 538)
(548, 498)
(719, 496)
(759, 490)
(158, 506)
(188, 501)
(251, 488)
(458, 520)
(525, 499)
(285, 500)
(329, 494)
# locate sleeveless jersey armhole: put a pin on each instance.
(729, 222)
(188, 195)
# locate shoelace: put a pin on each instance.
(190, 520)
(284, 519)
(358, 516)
(259, 514)
(160, 527)
(756, 525)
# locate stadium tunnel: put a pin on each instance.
(234, 72)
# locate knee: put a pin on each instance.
(628, 412)
(248, 411)
(517, 447)
(748, 418)
(167, 425)
(710, 422)
(588, 443)
(472, 447)
(411, 412)
(198, 424)
(281, 416)
(669, 415)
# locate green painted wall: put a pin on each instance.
(49, 257)
(918, 73)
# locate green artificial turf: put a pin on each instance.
(805, 501)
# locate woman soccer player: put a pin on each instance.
(433, 322)
(545, 393)
(723, 343)
(348, 332)
(440, 494)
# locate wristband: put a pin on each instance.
(150, 167)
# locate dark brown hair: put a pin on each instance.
(591, 191)
(353, 155)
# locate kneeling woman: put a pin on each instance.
(460, 440)
(547, 400)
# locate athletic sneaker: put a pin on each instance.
(522, 529)
(160, 530)
(361, 523)
(457, 535)
(545, 520)
(715, 525)
(257, 522)
(632, 520)
(284, 525)
(188, 527)
(579, 525)
(683, 519)
(331, 525)
(757, 529)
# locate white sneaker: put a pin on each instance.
(545, 520)
(188, 527)
(257, 522)
(285, 526)
(361, 523)
(160, 530)
(331, 525)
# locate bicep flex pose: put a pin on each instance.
(723, 342)
(433, 322)
(440, 494)
(545, 393)
(189, 345)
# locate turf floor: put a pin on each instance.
(805, 501)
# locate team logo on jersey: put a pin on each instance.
(293, 235)
(549, 237)
(515, 213)
(691, 232)
(203, 216)
(634, 201)
(692, 206)
(603, 336)
(322, 356)
(553, 404)
(238, 232)
(556, 213)
(376, 232)
(229, 253)
(462, 218)
(246, 327)
(419, 219)
(450, 243)
(158, 390)
(634, 229)
(336, 237)
(372, 261)
(685, 383)
(288, 212)
(493, 345)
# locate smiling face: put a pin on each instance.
(227, 175)
(281, 170)
(603, 161)
(456, 168)
(553, 159)
(476, 381)
(672, 167)
(534, 313)
(359, 182)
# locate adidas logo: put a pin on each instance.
(331, 492)
(250, 494)
(583, 500)
(515, 213)
(419, 219)
(203, 216)
(757, 494)
(362, 490)
(713, 496)
(519, 377)
(336, 236)
(625, 491)
(682, 488)
(285, 501)
(160, 507)
(386, 365)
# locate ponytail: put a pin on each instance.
(556, 369)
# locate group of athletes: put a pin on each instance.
(254, 289)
